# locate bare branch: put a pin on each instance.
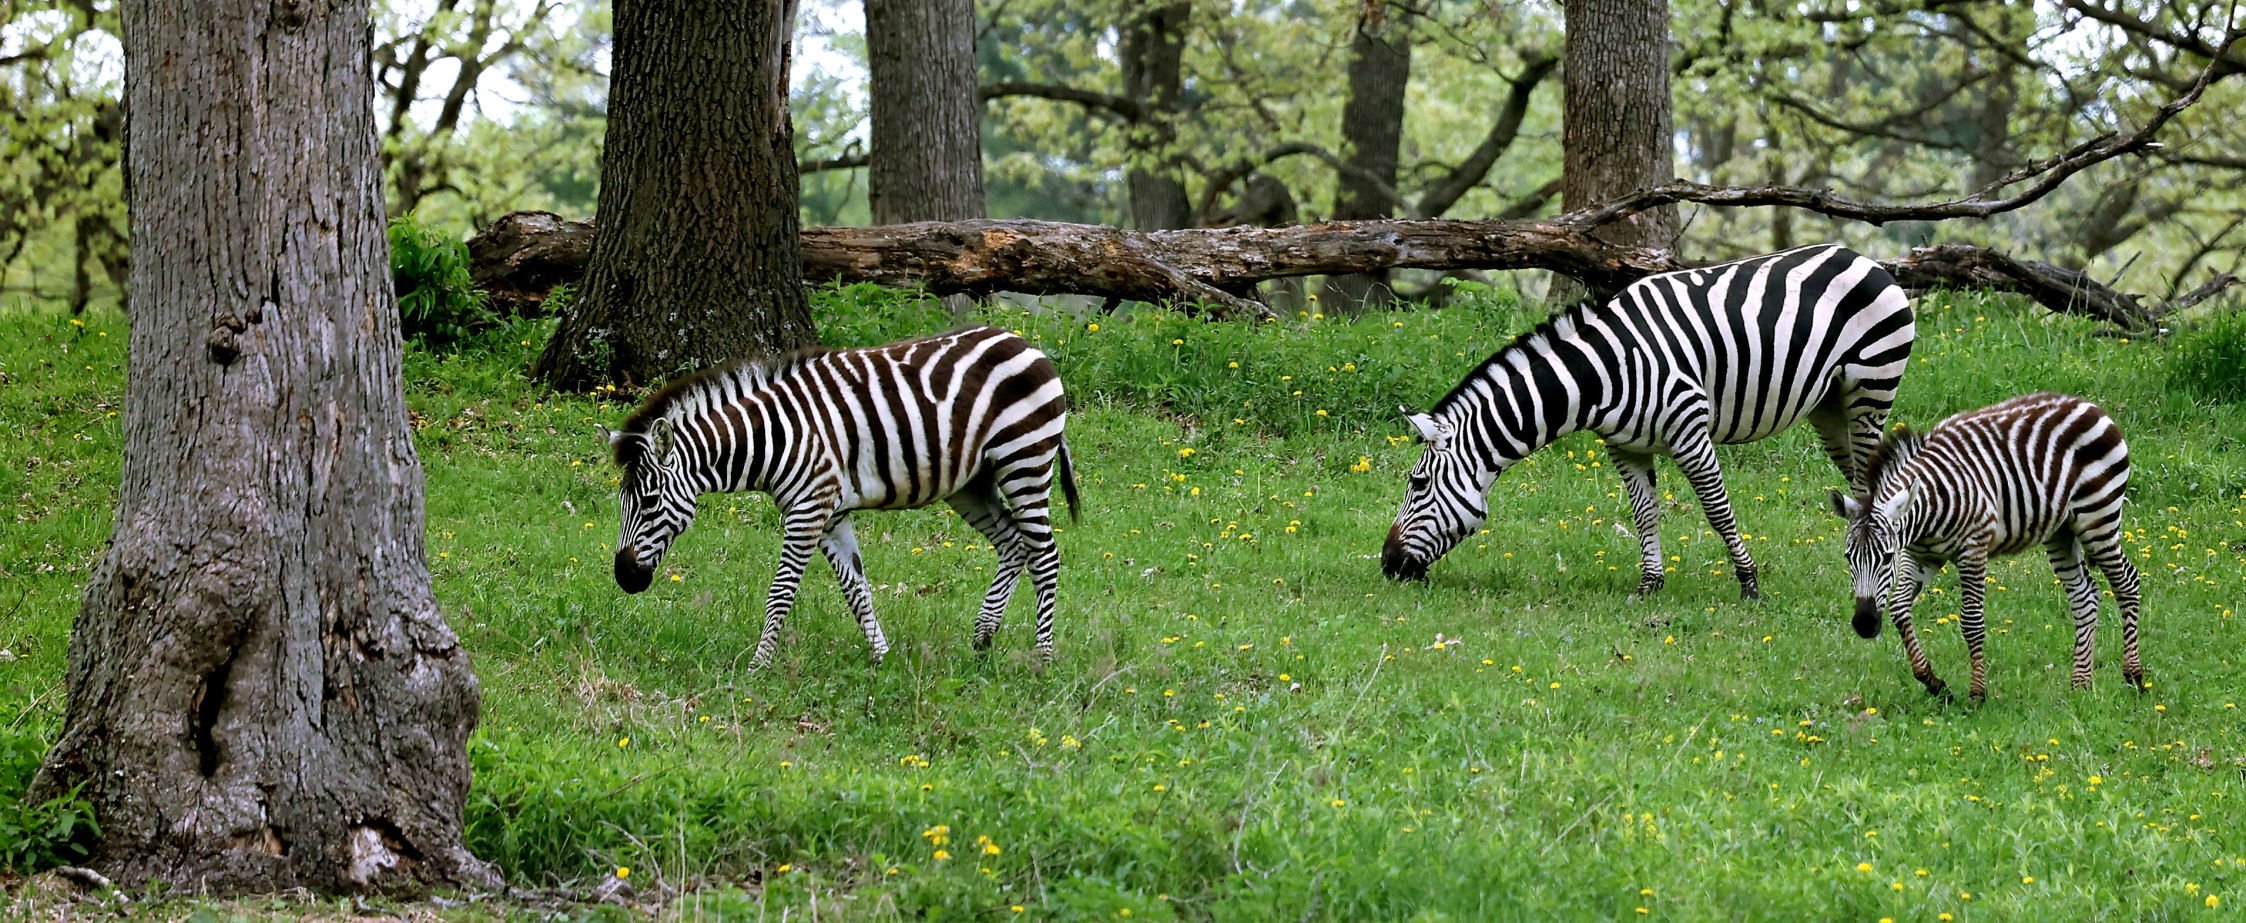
(838, 162)
(2047, 174)
(1123, 107)
(1469, 173)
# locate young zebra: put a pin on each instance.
(2042, 469)
(1675, 365)
(973, 417)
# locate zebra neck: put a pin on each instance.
(1529, 396)
(739, 442)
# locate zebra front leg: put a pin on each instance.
(1697, 456)
(1645, 513)
(801, 527)
(1972, 579)
(2082, 600)
(1903, 590)
(988, 516)
(840, 544)
(2105, 552)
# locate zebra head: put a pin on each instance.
(1444, 502)
(658, 501)
(1875, 535)
(1875, 543)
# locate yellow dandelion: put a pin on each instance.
(623, 871)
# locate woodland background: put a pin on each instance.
(1258, 112)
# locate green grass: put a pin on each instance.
(1245, 720)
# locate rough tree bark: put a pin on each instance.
(927, 160)
(695, 260)
(262, 694)
(1615, 114)
(1154, 76)
(1372, 132)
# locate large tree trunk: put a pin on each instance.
(1154, 75)
(1372, 133)
(262, 694)
(927, 162)
(695, 261)
(1616, 113)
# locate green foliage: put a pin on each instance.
(438, 303)
(2210, 358)
(1245, 721)
(35, 836)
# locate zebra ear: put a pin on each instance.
(1895, 503)
(659, 441)
(1844, 506)
(1429, 430)
(614, 435)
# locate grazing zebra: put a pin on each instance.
(973, 417)
(2042, 469)
(1675, 365)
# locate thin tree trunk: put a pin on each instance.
(927, 160)
(1372, 132)
(262, 694)
(1616, 117)
(1154, 75)
(694, 261)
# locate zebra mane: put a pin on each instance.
(1544, 330)
(1888, 460)
(733, 380)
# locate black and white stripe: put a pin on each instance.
(973, 417)
(1674, 365)
(2043, 469)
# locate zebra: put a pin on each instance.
(2044, 469)
(973, 417)
(1675, 365)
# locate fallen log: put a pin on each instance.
(524, 254)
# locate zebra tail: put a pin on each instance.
(1068, 481)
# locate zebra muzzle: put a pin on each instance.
(1397, 563)
(630, 574)
(1867, 618)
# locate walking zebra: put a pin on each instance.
(1674, 365)
(973, 417)
(2042, 469)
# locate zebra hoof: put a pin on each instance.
(2137, 681)
(877, 655)
(982, 644)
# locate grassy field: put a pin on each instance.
(1245, 720)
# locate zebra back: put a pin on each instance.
(2022, 470)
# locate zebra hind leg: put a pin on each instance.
(1028, 492)
(840, 544)
(1838, 433)
(987, 514)
(2105, 552)
(2082, 600)
(1645, 513)
(1972, 620)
